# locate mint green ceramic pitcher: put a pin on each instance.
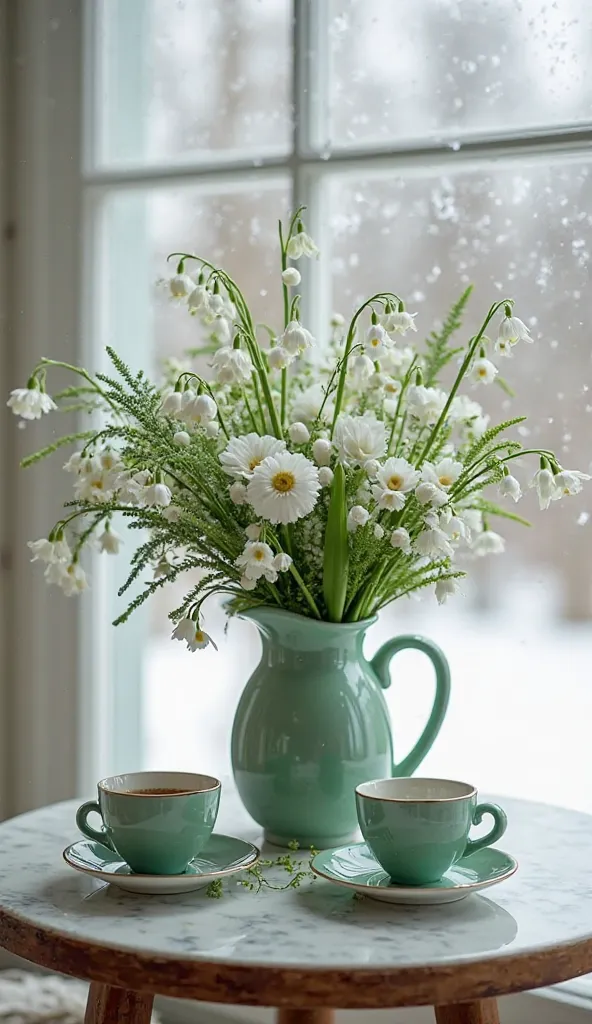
(312, 724)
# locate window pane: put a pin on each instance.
(410, 70)
(183, 81)
(188, 704)
(523, 230)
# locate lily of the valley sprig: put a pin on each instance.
(326, 477)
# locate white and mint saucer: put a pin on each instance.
(223, 855)
(355, 867)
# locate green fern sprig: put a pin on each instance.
(437, 345)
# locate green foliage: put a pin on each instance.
(336, 559)
(61, 442)
(490, 508)
(438, 352)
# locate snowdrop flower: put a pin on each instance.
(426, 404)
(377, 340)
(301, 244)
(184, 630)
(372, 468)
(73, 463)
(359, 439)
(157, 494)
(73, 580)
(378, 531)
(181, 285)
(238, 493)
(433, 543)
(325, 476)
(231, 365)
(279, 358)
(291, 277)
(282, 562)
(172, 514)
(216, 304)
(570, 481)
(488, 543)
(257, 560)
(445, 473)
(306, 405)
(182, 438)
(466, 411)
(510, 488)
(296, 338)
(299, 433)
(400, 321)
(445, 589)
(253, 531)
(452, 525)
(337, 320)
(321, 451)
(171, 404)
(484, 371)
(44, 550)
(546, 488)
(109, 541)
(220, 330)
(198, 298)
(243, 454)
(94, 487)
(203, 409)
(513, 330)
(247, 584)
(428, 493)
(357, 516)
(199, 640)
(392, 389)
(473, 520)
(30, 403)
(212, 428)
(362, 368)
(503, 347)
(394, 480)
(284, 487)
(400, 539)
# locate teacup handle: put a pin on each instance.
(500, 823)
(90, 807)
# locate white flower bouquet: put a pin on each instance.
(326, 479)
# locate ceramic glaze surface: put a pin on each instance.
(312, 723)
(547, 902)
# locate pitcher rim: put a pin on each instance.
(360, 624)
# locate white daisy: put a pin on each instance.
(243, 454)
(284, 487)
(359, 439)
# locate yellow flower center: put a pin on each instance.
(395, 482)
(97, 484)
(393, 389)
(283, 482)
(199, 636)
(258, 555)
(482, 371)
(254, 463)
(445, 481)
(375, 342)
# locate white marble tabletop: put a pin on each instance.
(547, 903)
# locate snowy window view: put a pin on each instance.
(439, 144)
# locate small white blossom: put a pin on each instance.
(238, 493)
(472, 519)
(282, 562)
(378, 531)
(109, 541)
(400, 539)
(291, 277)
(359, 439)
(247, 584)
(182, 438)
(484, 371)
(443, 474)
(44, 550)
(546, 488)
(377, 340)
(433, 543)
(220, 331)
(362, 368)
(73, 581)
(452, 525)
(184, 630)
(172, 513)
(200, 640)
(157, 494)
(212, 428)
(513, 330)
(301, 244)
(296, 339)
(503, 348)
(181, 285)
(257, 560)
(445, 589)
(321, 451)
(306, 405)
(231, 365)
(253, 531)
(570, 481)
(284, 487)
(337, 320)
(372, 468)
(216, 304)
(279, 358)
(325, 476)
(394, 480)
(426, 404)
(357, 516)
(299, 433)
(203, 409)
(510, 488)
(430, 494)
(198, 298)
(74, 462)
(30, 403)
(400, 321)
(243, 454)
(488, 543)
(171, 404)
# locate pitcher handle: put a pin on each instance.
(381, 665)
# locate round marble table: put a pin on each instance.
(305, 950)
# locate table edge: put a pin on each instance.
(294, 986)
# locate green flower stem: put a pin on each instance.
(284, 397)
(507, 458)
(81, 373)
(404, 387)
(250, 411)
(380, 296)
(461, 373)
(305, 591)
(286, 298)
(259, 402)
(207, 387)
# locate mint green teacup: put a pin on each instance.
(418, 828)
(156, 821)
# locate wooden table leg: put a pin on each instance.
(107, 1005)
(305, 1016)
(482, 1012)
